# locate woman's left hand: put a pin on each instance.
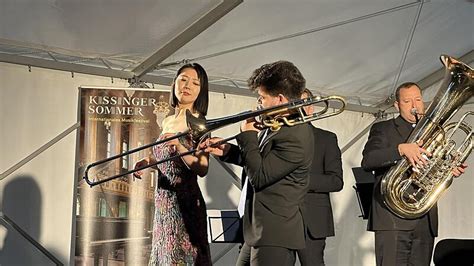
(174, 144)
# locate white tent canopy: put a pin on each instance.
(359, 49)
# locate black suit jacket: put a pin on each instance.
(325, 177)
(380, 153)
(278, 173)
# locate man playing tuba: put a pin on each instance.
(399, 241)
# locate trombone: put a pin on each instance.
(289, 114)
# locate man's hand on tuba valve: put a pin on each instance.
(414, 153)
(459, 170)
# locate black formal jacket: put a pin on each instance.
(380, 153)
(325, 177)
(278, 173)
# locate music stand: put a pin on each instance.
(363, 187)
(454, 252)
(225, 226)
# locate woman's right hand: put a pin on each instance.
(140, 164)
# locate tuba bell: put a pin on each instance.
(411, 192)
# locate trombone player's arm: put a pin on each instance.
(226, 152)
(289, 151)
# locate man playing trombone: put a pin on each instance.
(276, 167)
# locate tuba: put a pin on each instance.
(411, 192)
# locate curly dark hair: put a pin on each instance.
(281, 77)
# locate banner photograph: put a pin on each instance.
(114, 219)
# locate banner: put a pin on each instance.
(114, 220)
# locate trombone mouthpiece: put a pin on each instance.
(414, 111)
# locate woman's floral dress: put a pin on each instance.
(180, 228)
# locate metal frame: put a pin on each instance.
(235, 179)
(358, 136)
(99, 71)
(39, 151)
(185, 36)
(30, 239)
(12, 169)
(64, 66)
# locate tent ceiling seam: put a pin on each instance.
(38, 48)
(294, 35)
(405, 51)
(185, 36)
(105, 63)
(52, 56)
(127, 75)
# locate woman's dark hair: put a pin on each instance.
(281, 77)
(202, 101)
